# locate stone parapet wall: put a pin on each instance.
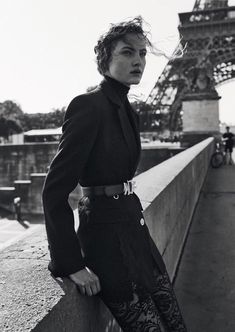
(30, 193)
(24, 167)
(153, 155)
(31, 300)
(18, 162)
(169, 194)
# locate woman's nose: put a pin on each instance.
(137, 60)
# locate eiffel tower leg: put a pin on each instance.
(200, 120)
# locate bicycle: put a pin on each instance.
(218, 157)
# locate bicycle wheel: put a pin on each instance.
(217, 159)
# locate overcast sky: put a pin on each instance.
(47, 56)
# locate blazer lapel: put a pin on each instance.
(136, 122)
(115, 99)
(126, 128)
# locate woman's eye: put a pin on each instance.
(143, 54)
(127, 52)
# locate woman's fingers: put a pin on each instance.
(98, 285)
(89, 290)
(82, 289)
(87, 281)
(95, 287)
(92, 288)
(95, 283)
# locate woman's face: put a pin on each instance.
(128, 60)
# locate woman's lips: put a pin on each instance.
(136, 72)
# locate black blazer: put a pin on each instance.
(95, 149)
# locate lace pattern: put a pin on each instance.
(156, 312)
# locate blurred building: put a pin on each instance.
(42, 135)
(34, 136)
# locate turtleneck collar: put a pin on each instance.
(121, 89)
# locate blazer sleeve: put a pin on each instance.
(79, 132)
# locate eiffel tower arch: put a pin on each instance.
(208, 36)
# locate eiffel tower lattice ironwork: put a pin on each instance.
(208, 34)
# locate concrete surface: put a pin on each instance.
(18, 161)
(12, 231)
(31, 300)
(169, 194)
(205, 283)
(154, 153)
(201, 115)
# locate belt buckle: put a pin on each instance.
(129, 187)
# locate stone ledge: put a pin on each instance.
(31, 300)
(169, 193)
(152, 182)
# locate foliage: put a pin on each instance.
(151, 119)
(8, 127)
(52, 119)
(10, 110)
(10, 118)
(14, 120)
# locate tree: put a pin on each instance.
(13, 119)
(57, 116)
(8, 127)
(11, 110)
(151, 119)
(52, 119)
(10, 118)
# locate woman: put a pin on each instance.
(112, 254)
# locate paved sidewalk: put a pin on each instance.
(11, 231)
(205, 283)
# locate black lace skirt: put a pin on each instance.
(117, 245)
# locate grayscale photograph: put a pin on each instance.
(117, 166)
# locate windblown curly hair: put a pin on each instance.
(108, 40)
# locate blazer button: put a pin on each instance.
(142, 221)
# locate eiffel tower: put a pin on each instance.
(208, 36)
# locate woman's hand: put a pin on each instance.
(87, 281)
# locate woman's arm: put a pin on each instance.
(80, 129)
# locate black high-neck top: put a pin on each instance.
(121, 89)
